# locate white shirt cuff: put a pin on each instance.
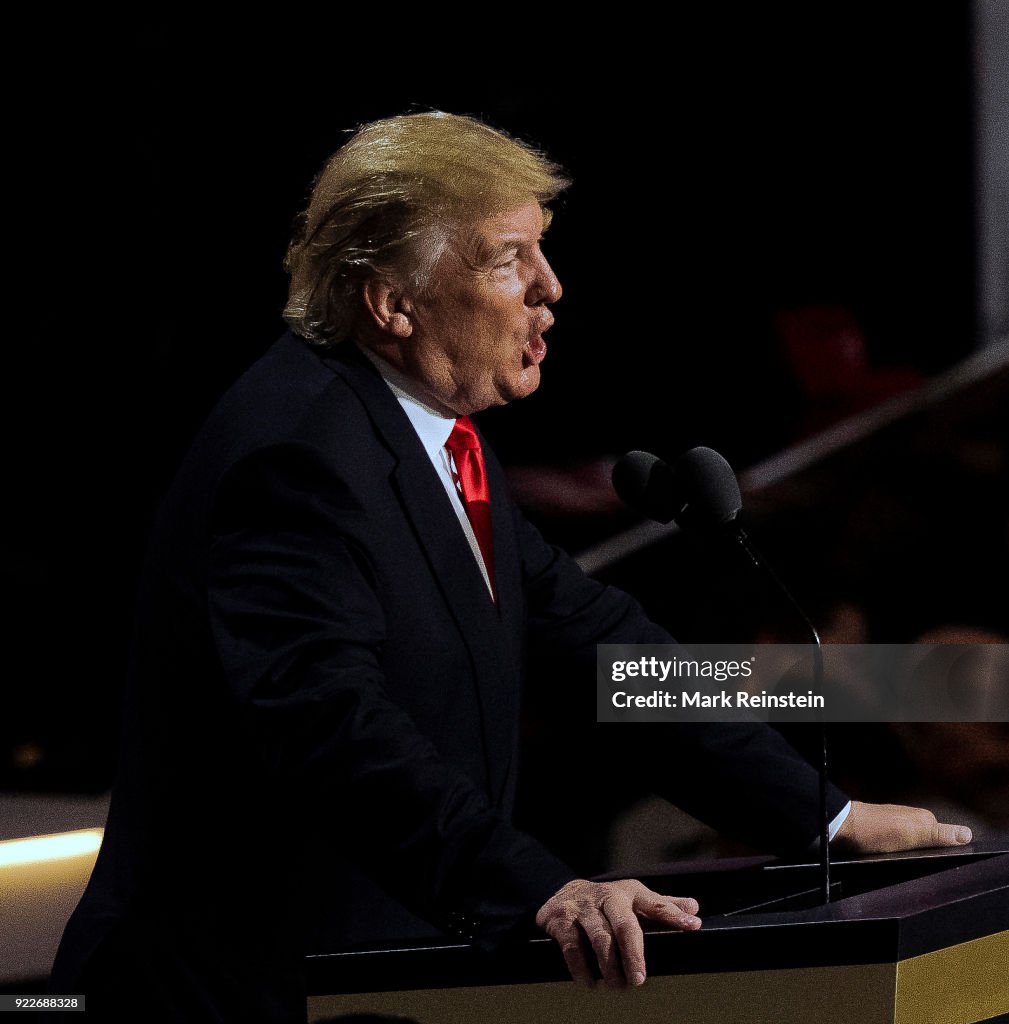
(839, 820)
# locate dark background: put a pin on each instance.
(725, 171)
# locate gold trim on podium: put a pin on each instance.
(791, 996)
(962, 984)
(957, 985)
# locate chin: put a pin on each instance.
(528, 381)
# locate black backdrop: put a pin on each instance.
(725, 169)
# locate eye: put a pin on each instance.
(508, 259)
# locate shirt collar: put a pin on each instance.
(432, 427)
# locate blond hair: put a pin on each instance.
(389, 202)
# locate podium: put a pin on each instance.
(919, 938)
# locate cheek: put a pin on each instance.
(493, 331)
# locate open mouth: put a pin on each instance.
(535, 350)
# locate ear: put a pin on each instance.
(388, 308)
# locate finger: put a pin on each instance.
(630, 940)
(568, 936)
(950, 835)
(599, 932)
(678, 911)
(686, 904)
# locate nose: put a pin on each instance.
(545, 286)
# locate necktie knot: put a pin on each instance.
(463, 435)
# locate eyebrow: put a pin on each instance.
(506, 244)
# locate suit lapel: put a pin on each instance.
(502, 701)
(488, 630)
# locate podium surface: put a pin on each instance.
(917, 938)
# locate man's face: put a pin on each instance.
(477, 337)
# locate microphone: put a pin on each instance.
(700, 491)
(646, 484)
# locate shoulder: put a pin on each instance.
(295, 403)
(294, 393)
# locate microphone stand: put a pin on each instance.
(701, 490)
(744, 542)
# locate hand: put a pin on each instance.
(607, 914)
(888, 828)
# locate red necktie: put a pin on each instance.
(464, 445)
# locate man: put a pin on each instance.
(336, 612)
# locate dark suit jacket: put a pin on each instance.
(324, 699)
